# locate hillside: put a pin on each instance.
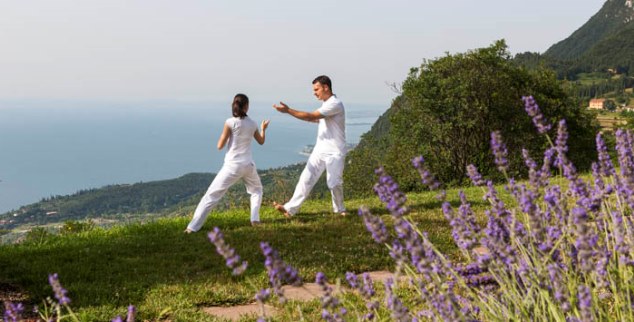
(156, 197)
(614, 16)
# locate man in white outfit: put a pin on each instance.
(329, 152)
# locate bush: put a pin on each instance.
(448, 108)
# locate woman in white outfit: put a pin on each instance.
(237, 134)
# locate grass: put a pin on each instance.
(169, 275)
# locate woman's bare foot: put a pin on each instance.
(343, 214)
(256, 223)
(281, 209)
(188, 231)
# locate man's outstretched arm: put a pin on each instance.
(304, 116)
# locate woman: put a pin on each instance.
(238, 132)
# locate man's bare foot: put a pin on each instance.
(256, 223)
(188, 231)
(281, 209)
(343, 214)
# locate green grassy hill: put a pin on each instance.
(171, 275)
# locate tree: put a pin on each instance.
(610, 105)
(449, 107)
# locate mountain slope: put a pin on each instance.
(614, 16)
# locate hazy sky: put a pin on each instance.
(136, 50)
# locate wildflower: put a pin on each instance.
(426, 176)
(131, 314)
(329, 301)
(605, 164)
(230, 255)
(560, 292)
(499, 151)
(464, 228)
(584, 296)
(532, 109)
(400, 313)
(474, 175)
(279, 272)
(60, 292)
(263, 295)
(13, 312)
(389, 193)
(374, 225)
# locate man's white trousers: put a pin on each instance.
(315, 166)
(229, 175)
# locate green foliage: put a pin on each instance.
(75, 227)
(368, 155)
(605, 23)
(157, 197)
(449, 107)
(37, 236)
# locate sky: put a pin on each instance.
(195, 50)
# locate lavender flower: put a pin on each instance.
(279, 272)
(605, 164)
(389, 193)
(585, 303)
(399, 313)
(464, 228)
(230, 255)
(13, 312)
(374, 225)
(328, 301)
(131, 314)
(560, 292)
(117, 319)
(60, 292)
(426, 176)
(263, 295)
(532, 109)
(474, 175)
(561, 144)
(499, 151)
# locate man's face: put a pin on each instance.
(322, 92)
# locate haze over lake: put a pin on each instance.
(58, 148)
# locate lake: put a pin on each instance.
(58, 148)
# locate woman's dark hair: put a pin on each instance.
(323, 80)
(239, 106)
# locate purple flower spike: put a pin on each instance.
(232, 258)
(499, 151)
(389, 193)
(263, 295)
(13, 312)
(585, 303)
(474, 175)
(279, 272)
(329, 303)
(117, 319)
(426, 177)
(374, 224)
(532, 109)
(60, 292)
(131, 313)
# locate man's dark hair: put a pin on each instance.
(323, 80)
(240, 103)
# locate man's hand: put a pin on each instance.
(282, 108)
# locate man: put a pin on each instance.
(329, 152)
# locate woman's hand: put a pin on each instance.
(264, 124)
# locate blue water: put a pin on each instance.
(58, 148)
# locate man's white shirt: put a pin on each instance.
(331, 135)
